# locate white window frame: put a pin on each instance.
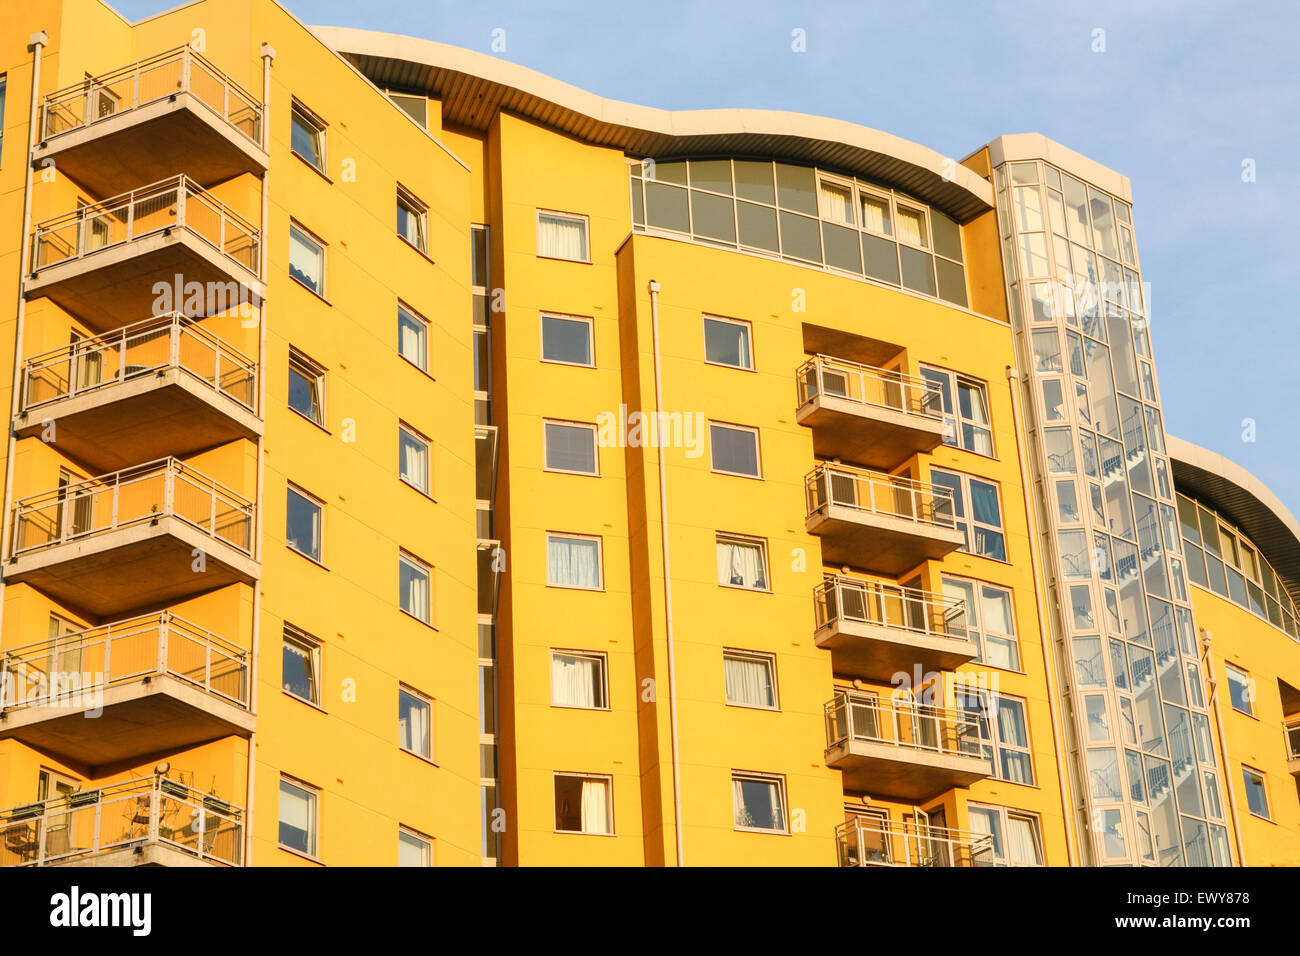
(546, 448)
(926, 239)
(313, 648)
(313, 239)
(773, 778)
(720, 537)
(975, 620)
(403, 429)
(763, 656)
(314, 832)
(418, 210)
(308, 368)
(591, 339)
(572, 217)
(605, 778)
(602, 660)
(955, 381)
(838, 183)
(600, 560)
(407, 689)
(758, 450)
(301, 492)
(991, 734)
(1246, 771)
(416, 835)
(1247, 683)
(404, 556)
(749, 340)
(423, 324)
(968, 523)
(300, 110)
(1005, 814)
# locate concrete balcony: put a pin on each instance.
(125, 690)
(141, 123)
(146, 536)
(901, 749)
(877, 522)
(872, 416)
(156, 388)
(101, 262)
(876, 630)
(871, 841)
(149, 821)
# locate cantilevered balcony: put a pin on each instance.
(149, 821)
(878, 522)
(102, 261)
(873, 416)
(870, 841)
(875, 630)
(140, 537)
(158, 387)
(900, 749)
(1291, 730)
(124, 690)
(143, 122)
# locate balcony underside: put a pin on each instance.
(867, 435)
(138, 718)
(114, 286)
(146, 565)
(879, 543)
(1293, 765)
(886, 770)
(143, 853)
(154, 415)
(878, 653)
(143, 145)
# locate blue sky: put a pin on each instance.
(1183, 94)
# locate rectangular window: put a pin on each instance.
(573, 561)
(583, 803)
(734, 450)
(911, 226)
(1014, 838)
(3, 84)
(416, 107)
(978, 512)
(1256, 792)
(415, 583)
(965, 404)
(562, 236)
(989, 620)
(579, 679)
(566, 339)
(414, 722)
(298, 816)
(413, 337)
(413, 457)
(742, 562)
(413, 849)
(303, 525)
(758, 802)
(570, 448)
(307, 137)
(750, 679)
(412, 219)
(306, 387)
(1241, 689)
(306, 259)
(300, 670)
(1003, 732)
(727, 342)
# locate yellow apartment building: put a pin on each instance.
(416, 460)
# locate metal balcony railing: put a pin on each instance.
(1291, 728)
(163, 488)
(868, 385)
(175, 203)
(145, 811)
(72, 666)
(854, 601)
(870, 841)
(148, 81)
(902, 723)
(137, 350)
(878, 493)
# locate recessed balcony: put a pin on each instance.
(1291, 728)
(146, 536)
(149, 821)
(901, 749)
(142, 392)
(873, 416)
(124, 690)
(878, 522)
(875, 630)
(141, 123)
(863, 840)
(102, 262)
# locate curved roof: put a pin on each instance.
(1239, 495)
(473, 86)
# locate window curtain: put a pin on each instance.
(837, 204)
(569, 447)
(305, 261)
(573, 562)
(410, 337)
(987, 823)
(741, 565)
(415, 591)
(748, 681)
(875, 216)
(562, 238)
(595, 806)
(296, 818)
(414, 724)
(910, 227)
(574, 681)
(415, 462)
(758, 804)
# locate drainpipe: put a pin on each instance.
(1049, 663)
(1213, 682)
(668, 581)
(38, 42)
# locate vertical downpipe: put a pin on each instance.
(1208, 660)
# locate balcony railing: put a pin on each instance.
(73, 665)
(175, 203)
(148, 81)
(851, 600)
(868, 385)
(148, 811)
(132, 496)
(878, 493)
(135, 351)
(902, 723)
(1291, 728)
(870, 841)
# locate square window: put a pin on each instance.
(412, 219)
(298, 816)
(1241, 690)
(416, 107)
(413, 457)
(966, 419)
(1256, 792)
(416, 588)
(305, 515)
(413, 337)
(758, 802)
(562, 236)
(734, 450)
(567, 340)
(875, 214)
(573, 561)
(579, 679)
(306, 387)
(911, 226)
(413, 849)
(583, 803)
(307, 259)
(414, 722)
(307, 137)
(300, 669)
(750, 679)
(742, 562)
(727, 342)
(978, 512)
(570, 448)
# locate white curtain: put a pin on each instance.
(1021, 845)
(573, 562)
(875, 215)
(741, 564)
(562, 238)
(414, 724)
(415, 462)
(415, 590)
(911, 227)
(836, 203)
(305, 261)
(997, 611)
(748, 681)
(410, 337)
(595, 806)
(575, 681)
